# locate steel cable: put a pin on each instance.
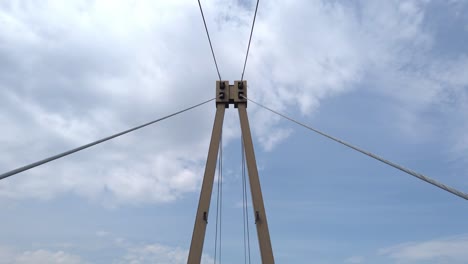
(219, 201)
(369, 154)
(250, 40)
(66, 153)
(209, 40)
(245, 212)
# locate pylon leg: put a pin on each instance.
(201, 219)
(263, 234)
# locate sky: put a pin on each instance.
(387, 76)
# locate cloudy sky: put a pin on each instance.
(389, 76)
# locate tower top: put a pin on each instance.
(231, 93)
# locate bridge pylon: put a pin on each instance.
(227, 95)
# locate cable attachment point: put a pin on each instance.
(205, 217)
(257, 217)
(231, 94)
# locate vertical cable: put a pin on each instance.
(245, 201)
(247, 212)
(243, 198)
(221, 199)
(217, 200)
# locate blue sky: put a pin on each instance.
(389, 77)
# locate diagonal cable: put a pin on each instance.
(221, 200)
(219, 204)
(367, 153)
(66, 153)
(245, 207)
(209, 40)
(250, 40)
(218, 189)
(243, 199)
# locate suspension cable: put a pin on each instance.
(369, 154)
(250, 39)
(66, 153)
(243, 200)
(217, 207)
(209, 39)
(245, 212)
(219, 201)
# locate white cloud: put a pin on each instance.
(72, 72)
(123, 251)
(75, 72)
(355, 259)
(447, 250)
(41, 256)
(6, 253)
(141, 254)
(307, 52)
(157, 253)
(102, 233)
(46, 257)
